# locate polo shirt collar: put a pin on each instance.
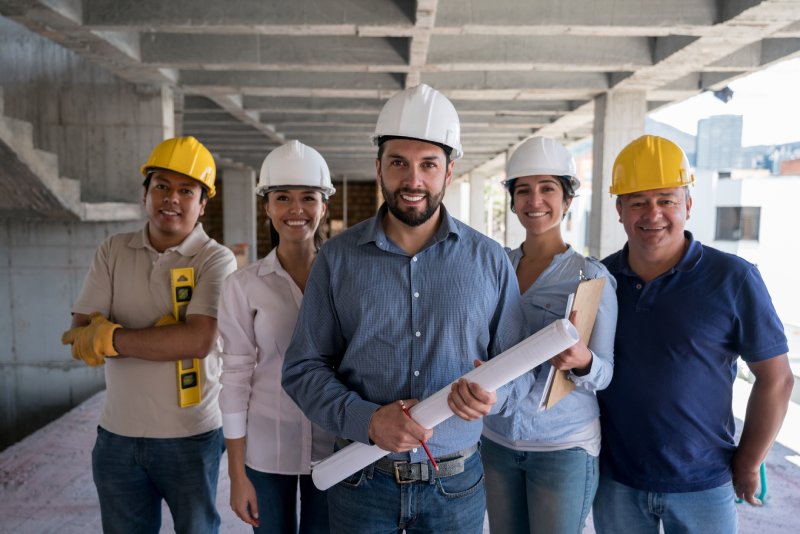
(373, 231)
(189, 247)
(690, 259)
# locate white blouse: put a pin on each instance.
(258, 309)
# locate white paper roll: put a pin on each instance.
(500, 370)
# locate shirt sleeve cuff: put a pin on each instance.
(589, 377)
(234, 425)
(359, 414)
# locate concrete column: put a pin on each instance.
(477, 202)
(515, 232)
(618, 119)
(239, 212)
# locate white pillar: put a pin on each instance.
(477, 202)
(239, 211)
(618, 119)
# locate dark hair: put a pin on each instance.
(382, 139)
(275, 237)
(146, 185)
(566, 186)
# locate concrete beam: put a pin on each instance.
(197, 14)
(258, 52)
(540, 53)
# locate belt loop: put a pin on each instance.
(434, 474)
(369, 471)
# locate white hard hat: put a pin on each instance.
(294, 165)
(423, 113)
(541, 155)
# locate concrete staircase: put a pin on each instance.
(31, 187)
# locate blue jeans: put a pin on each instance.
(132, 475)
(372, 502)
(620, 508)
(277, 504)
(538, 491)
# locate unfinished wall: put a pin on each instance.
(101, 128)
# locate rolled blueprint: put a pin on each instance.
(498, 371)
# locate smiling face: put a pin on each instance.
(540, 204)
(173, 203)
(295, 213)
(654, 222)
(413, 176)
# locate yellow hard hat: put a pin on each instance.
(185, 155)
(650, 162)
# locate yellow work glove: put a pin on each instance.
(93, 342)
(167, 320)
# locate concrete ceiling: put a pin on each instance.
(256, 73)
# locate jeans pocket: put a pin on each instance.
(354, 480)
(459, 486)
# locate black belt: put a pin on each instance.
(405, 472)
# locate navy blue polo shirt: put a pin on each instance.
(667, 421)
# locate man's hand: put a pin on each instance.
(93, 342)
(469, 400)
(392, 430)
(578, 357)
(746, 481)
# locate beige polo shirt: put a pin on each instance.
(129, 282)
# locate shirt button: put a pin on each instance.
(414, 258)
(417, 334)
(416, 373)
(638, 286)
(416, 294)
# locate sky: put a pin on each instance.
(769, 101)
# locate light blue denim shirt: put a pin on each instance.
(544, 302)
(377, 325)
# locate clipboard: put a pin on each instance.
(585, 301)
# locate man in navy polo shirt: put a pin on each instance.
(686, 313)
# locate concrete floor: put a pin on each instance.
(46, 482)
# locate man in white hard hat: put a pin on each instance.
(397, 308)
(686, 313)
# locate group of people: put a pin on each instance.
(317, 346)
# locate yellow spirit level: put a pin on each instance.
(189, 375)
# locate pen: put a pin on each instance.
(430, 456)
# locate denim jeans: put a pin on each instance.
(372, 502)
(620, 508)
(538, 491)
(277, 504)
(132, 475)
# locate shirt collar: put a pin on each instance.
(373, 231)
(270, 264)
(190, 246)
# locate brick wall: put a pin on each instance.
(212, 218)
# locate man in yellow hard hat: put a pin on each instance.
(149, 447)
(686, 313)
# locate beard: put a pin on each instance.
(412, 217)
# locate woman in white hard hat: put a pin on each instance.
(542, 466)
(270, 443)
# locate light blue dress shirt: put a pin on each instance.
(544, 302)
(378, 325)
